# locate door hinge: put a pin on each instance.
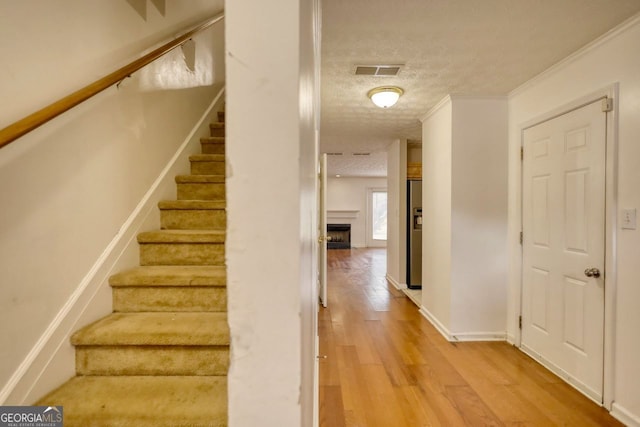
(607, 105)
(521, 153)
(519, 322)
(521, 237)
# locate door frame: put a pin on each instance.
(322, 230)
(611, 222)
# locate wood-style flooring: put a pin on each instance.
(387, 366)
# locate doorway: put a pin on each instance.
(564, 241)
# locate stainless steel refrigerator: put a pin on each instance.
(414, 234)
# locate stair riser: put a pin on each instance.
(196, 191)
(212, 148)
(208, 219)
(135, 401)
(152, 360)
(182, 254)
(179, 298)
(161, 358)
(217, 131)
(207, 168)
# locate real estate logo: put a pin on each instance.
(31, 416)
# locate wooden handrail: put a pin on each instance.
(51, 111)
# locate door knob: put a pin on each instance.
(592, 272)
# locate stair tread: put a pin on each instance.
(207, 158)
(142, 400)
(192, 204)
(213, 139)
(171, 275)
(200, 179)
(182, 236)
(156, 328)
(169, 324)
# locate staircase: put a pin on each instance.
(161, 358)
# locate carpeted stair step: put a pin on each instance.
(192, 215)
(201, 187)
(212, 145)
(170, 288)
(182, 247)
(207, 164)
(171, 343)
(217, 129)
(160, 401)
(162, 357)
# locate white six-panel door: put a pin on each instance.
(563, 242)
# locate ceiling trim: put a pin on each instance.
(603, 39)
(460, 96)
(444, 101)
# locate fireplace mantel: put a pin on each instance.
(342, 213)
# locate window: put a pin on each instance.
(379, 215)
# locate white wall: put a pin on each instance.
(393, 220)
(479, 215)
(402, 214)
(396, 213)
(68, 187)
(272, 229)
(436, 213)
(51, 48)
(350, 193)
(612, 59)
(394, 234)
(464, 210)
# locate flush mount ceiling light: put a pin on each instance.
(385, 96)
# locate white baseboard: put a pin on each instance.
(398, 286)
(52, 360)
(479, 336)
(594, 395)
(624, 416)
(461, 336)
(412, 296)
(436, 323)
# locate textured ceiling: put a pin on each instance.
(472, 47)
(350, 164)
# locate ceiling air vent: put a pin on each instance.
(378, 70)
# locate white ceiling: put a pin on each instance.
(473, 47)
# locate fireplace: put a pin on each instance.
(338, 236)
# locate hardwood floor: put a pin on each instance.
(387, 366)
